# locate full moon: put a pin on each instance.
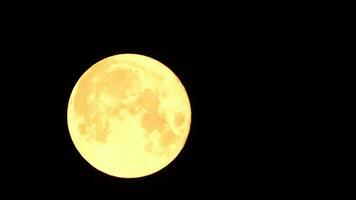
(129, 115)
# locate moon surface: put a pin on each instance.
(129, 115)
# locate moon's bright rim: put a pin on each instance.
(129, 115)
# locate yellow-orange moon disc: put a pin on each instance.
(129, 115)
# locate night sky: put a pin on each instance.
(268, 90)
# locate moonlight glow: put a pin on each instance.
(129, 115)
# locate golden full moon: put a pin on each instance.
(129, 115)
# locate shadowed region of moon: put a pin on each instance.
(97, 98)
(179, 119)
(129, 115)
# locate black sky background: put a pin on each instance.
(269, 87)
